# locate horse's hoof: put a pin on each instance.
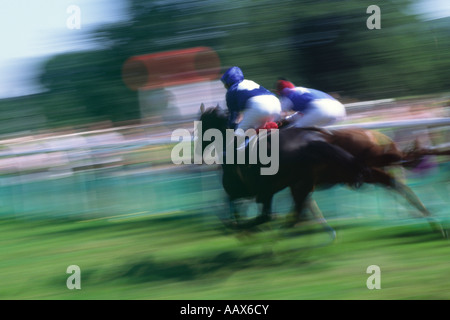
(333, 236)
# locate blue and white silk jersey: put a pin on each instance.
(239, 91)
(300, 98)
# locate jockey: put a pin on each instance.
(256, 104)
(312, 107)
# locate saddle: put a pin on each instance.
(288, 121)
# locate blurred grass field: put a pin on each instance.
(190, 256)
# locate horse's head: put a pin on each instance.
(213, 118)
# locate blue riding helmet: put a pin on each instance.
(232, 76)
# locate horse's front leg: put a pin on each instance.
(234, 212)
(266, 212)
(263, 217)
(231, 220)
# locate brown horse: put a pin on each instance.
(379, 153)
(311, 158)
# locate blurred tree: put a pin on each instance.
(92, 81)
(323, 44)
(340, 54)
(89, 87)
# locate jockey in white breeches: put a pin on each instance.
(254, 103)
(312, 107)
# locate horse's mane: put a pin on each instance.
(217, 117)
(216, 112)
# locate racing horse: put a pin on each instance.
(314, 158)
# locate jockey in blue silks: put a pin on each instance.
(246, 98)
(312, 107)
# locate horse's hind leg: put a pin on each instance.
(379, 176)
(314, 208)
(412, 198)
(300, 192)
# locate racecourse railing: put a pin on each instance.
(411, 124)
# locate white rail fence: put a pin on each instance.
(102, 146)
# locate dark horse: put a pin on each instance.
(311, 158)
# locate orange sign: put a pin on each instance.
(169, 68)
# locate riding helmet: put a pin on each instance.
(283, 84)
(232, 76)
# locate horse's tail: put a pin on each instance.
(420, 158)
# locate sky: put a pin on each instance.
(33, 30)
(433, 9)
